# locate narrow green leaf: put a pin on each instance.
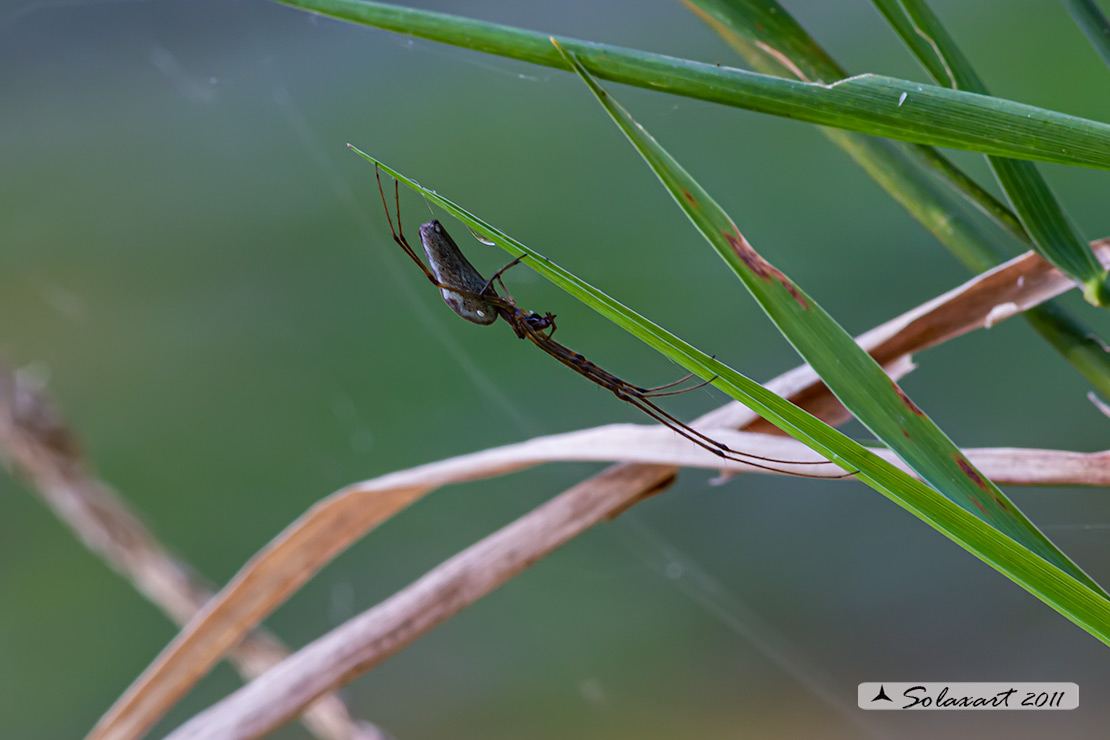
(1084, 349)
(771, 41)
(1054, 235)
(849, 372)
(1094, 24)
(1075, 600)
(769, 38)
(868, 103)
(973, 192)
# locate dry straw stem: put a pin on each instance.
(336, 522)
(37, 443)
(368, 639)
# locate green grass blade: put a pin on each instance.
(769, 38)
(1077, 601)
(888, 164)
(1054, 236)
(771, 41)
(973, 192)
(852, 374)
(1094, 24)
(868, 104)
(1080, 346)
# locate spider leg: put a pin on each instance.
(653, 394)
(497, 275)
(697, 438)
(680, 381)
(672, 384)
(627, 392)
(706, 441)
(398, 233)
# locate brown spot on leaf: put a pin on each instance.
(973, 474)
(747, 255)
(690, 197)
(761, 268)
(906, 401)
(792, 289)
(905, 433)
(978, 505)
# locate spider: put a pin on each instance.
(476, 299)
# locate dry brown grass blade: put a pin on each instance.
(438, 595)
(332, 525)
(370, 638)
(36, 443)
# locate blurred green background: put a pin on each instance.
(204, 271)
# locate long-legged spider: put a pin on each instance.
(476, 299)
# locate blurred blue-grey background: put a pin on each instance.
(204, 272)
